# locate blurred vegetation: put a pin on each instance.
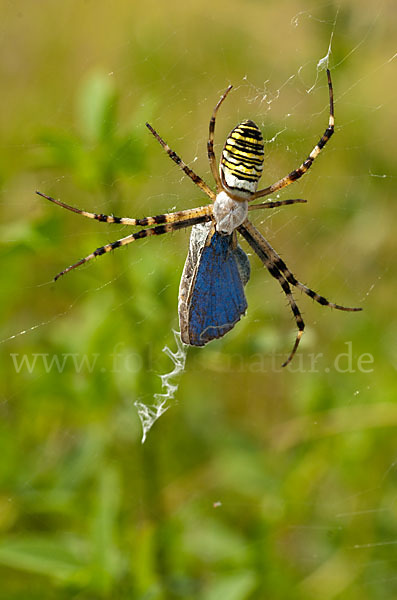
(259, 482)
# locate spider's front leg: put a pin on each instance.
(305, 166)
(173, 217)
(177, 159)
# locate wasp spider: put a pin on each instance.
(211, 295)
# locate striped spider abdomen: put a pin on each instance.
(241, 162)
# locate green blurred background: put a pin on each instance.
(258, 482)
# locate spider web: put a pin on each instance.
(262, 99)
(149, 413)
(266, 97)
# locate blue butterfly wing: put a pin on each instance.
(217, 299)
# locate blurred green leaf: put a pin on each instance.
(55, 558)
(214, 540)
(237, 586)
(100, 149)
(96, 108)
(106, 560)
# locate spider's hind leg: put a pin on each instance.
(254, 239)
(282, 267)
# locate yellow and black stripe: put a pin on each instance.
(241, 163)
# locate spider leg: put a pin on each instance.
(159, 230)
(174, 217)
(173, 155)
(210, 143)
(275, 204)
(254, 239)
(297, 173)
(282, 267)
